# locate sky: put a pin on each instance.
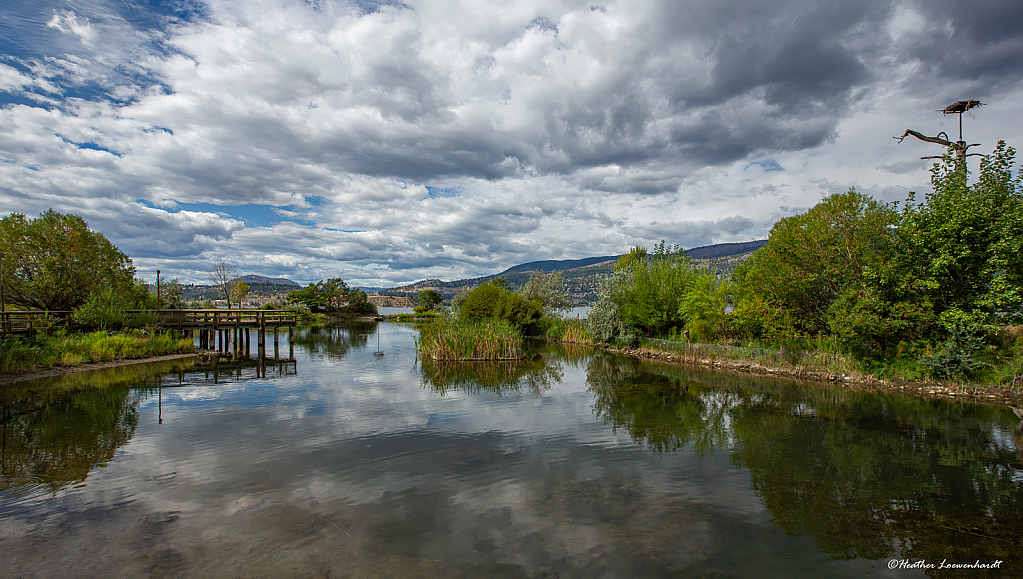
(389, 142)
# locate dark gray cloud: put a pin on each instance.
(425, 139)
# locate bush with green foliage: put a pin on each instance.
(703, 306)
(644, 295)
(963, 243)
(428, 301)
(493, 300)
(651, 299)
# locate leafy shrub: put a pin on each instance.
(494, 301)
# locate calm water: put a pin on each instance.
(347, 464)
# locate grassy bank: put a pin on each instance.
(45, 351)
(493, 339)
(818, 359)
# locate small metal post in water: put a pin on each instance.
(3, 298)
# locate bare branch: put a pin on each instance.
(923, 137)
(222, 275)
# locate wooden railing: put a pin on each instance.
(23, 322)
(214, 319)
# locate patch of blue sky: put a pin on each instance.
(156, 128)
(251, 214)
(345, 230)
(89, 145)
(27, 39)
(767, 165)
(19, 98)
(444, 191)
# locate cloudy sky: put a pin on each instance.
(390, 142)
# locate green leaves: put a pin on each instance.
(964, 242)
(332, 296)
(55, 262)
(811, 258)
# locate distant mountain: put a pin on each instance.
(581, 274)
(263, 280)
(557, 265)
(725, 249)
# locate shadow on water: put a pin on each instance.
(866, 475)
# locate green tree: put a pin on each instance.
(605, 319)
(811, 258)
(428, 301)
(358, 303)
(239, 289)
(651, 299)
(332, 296)
(964, 242)
(55, 262)
(703, 306)
(172, 295)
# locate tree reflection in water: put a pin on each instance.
(55, 431)
(333, 341)
(536, 375)
(865, 475)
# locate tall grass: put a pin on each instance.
(44, 351)
(491, 339)
(569, 330)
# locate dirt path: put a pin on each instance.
(12, 378)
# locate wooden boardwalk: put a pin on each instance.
(24, 322)
(221, 330)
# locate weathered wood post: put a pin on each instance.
(261, 335)
(276, 343)
(291, 342)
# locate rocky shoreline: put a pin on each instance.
(863, 382)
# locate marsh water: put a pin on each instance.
(358, 460)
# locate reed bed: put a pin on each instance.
(492, 339)
(569, 330)
(42, 351)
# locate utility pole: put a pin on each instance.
(3, 298)
(158, 302)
